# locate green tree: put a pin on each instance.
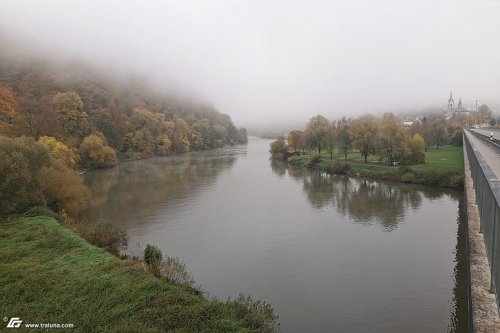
(153, 258)
(435, 130)
(364, 131)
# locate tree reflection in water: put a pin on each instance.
(159, 182)
(365, 201)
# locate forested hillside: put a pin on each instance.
(55, 120)
(75, 103)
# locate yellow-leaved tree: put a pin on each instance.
(95, 152)
(59, 151)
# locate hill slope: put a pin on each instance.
(51, 275)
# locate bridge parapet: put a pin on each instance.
(486, 186)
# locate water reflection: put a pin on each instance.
(367, 202)
(460, 306)
(160, 182)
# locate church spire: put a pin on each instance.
(451, 102)
(460, 104)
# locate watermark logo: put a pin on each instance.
(14, 322)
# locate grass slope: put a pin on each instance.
(50, 274)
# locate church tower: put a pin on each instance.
(451, 103)
(460, 107)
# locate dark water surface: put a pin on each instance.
(330, 253)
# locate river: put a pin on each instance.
(329, 253)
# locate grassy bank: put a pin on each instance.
(443, 167)
(49, 274)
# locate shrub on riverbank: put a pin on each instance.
(51, 274)
(105, 235)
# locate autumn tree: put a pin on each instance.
(7, 111)
(343, 136)
(180, 135)
(95, 153)
(63, 189)
(295, 139)
(317, 129)
(416, 148)
(391, 138)
(278, 146)
(30, 177)
(59, 151)
(73, 120)
(331, 137)
(364, 131)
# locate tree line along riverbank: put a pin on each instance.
(428, 152)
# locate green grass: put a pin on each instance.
(49, 274)
(445, 159)
(443, 166)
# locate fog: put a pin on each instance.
(270, 62)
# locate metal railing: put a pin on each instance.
(486, 140)
(487, 188)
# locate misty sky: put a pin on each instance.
(268, 61)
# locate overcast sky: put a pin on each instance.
(267, 61)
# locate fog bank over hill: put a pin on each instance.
(263, 62)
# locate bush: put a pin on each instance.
(414, 158)
(313, 161)
(278, 146)
(105, 235)
(436, 178)
(339, 167)
(256, 314)
(153, 257)
(43, 211)
(63, 189)
(457, 181)
(409, 177)
(175, 271)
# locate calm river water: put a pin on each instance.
(330, 253)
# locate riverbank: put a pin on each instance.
(52, 275)
(443, 167)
